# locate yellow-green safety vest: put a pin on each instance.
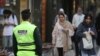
(25, 39)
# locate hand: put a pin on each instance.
(74, 27)
(6, 24)
(65, 31)
(85, 32)
(53, 45)
(12, 24)
(92, 33)
(64, 52)
(9, 24)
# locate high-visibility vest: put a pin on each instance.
(25, 39)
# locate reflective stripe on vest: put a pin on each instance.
(24, 36)
(26, 46)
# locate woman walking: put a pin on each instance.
(61, 35)
(86, 30)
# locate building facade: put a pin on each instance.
(44, 11)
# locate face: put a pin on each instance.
(61, 11)
(6, 15)
(88, 20)
(61, 18)
(79, 11)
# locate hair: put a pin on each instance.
(61, 14)
(25, 14)
(6, 11)
(91, 18)
(79, 7)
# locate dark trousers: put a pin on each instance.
(98, 38)
(60, 51)
(77, 50)
(76, 41)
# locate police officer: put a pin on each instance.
(26, 38)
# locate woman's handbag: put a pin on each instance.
(87, 41)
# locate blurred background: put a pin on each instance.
(44, 12)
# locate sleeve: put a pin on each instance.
(56, 19)
(71, 32)
(71, 29)
(14, 45)
(73, 21)
(94, 30)
(79, 31)
(38, 42)
(54, 33)
(97, 24)
(15, 20)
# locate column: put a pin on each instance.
(43, 20)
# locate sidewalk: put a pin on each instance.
(50, 51)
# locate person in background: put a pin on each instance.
(98, 28)
(61, 10)
(87, 26)
(10, 21)
(61, 35)
(98, 31)
(26, 37)
(77, 19)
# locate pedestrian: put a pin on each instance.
(98, 31)
(98, 28)
(10, 21)
(61, 10)
(61, 35)
(26, 37)
(77, 19)
(85, 30)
